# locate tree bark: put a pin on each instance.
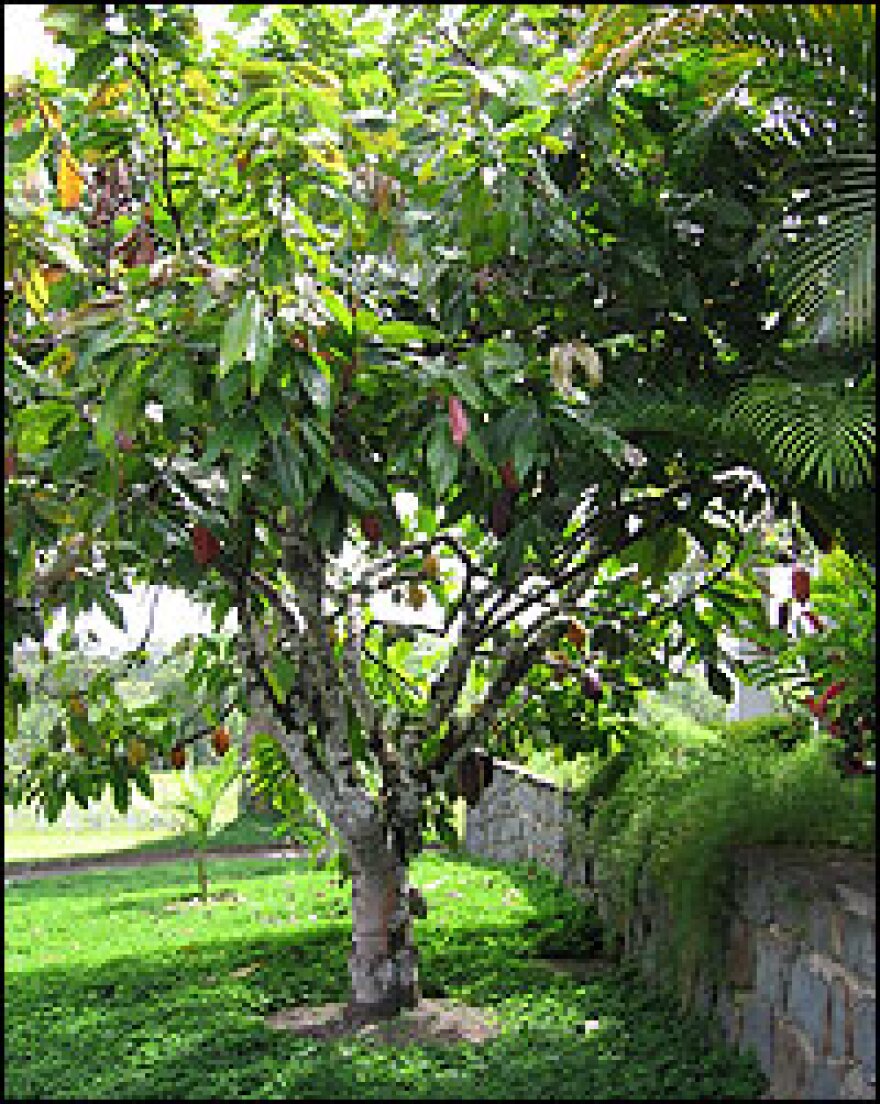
(384, 961)
(202, 867)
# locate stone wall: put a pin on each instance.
(520, 817)
(799, 976)
(799, 966)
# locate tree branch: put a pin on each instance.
(143, 74)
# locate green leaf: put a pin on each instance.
(338, 309)
(474, 445)
(89, 64)
(112, 610)
(275, 259)
(22, 146)
(237, 333)
(732, 213)
(264, 341)
(288, 462)
(464, 385)
(328, 518)
(246, 438)
(317, 385)
(442, 457)
(234, 478)
(525, 443)
(719, 682)
(406, 333)
(355, 485)
(281, 675)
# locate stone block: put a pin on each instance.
(841, 1019)
(809, 1002)
(865, 1033)
(859, 946)
(775, 951)
(793, 1058)
(857, 1087)
(825, 1080)
(758, 1027)
(819, 926)
(728, 1015)
(836, 926)
(741, 954)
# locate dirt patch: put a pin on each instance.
(434, 1022)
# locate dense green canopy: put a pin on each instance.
(514, 261)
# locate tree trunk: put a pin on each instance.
(202, 868)
(246, 801)
(384, 961)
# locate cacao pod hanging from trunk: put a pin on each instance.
(474, 775)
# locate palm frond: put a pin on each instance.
(809, 69)
(827, 277)
(824, 431)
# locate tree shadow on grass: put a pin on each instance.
(190, 1022)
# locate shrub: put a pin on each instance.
(679, 811)
(773, 730)
(565, 926)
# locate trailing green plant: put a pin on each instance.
(677, 814)
(197, 806)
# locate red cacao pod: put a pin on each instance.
(220, 740)
(576, 634)
(371, 528)
(206, 547)
(833, 690)
(816, 707)
(592, 685)
(800, 584)
(501, 511)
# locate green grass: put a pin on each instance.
(24, 841)
(111, 995)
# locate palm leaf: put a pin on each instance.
(810, 69)
(822, 431)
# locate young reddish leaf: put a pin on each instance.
(458, 423)
(508, 476)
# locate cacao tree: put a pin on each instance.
(331, 326)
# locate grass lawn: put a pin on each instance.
(25, 841)
(112, 994)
